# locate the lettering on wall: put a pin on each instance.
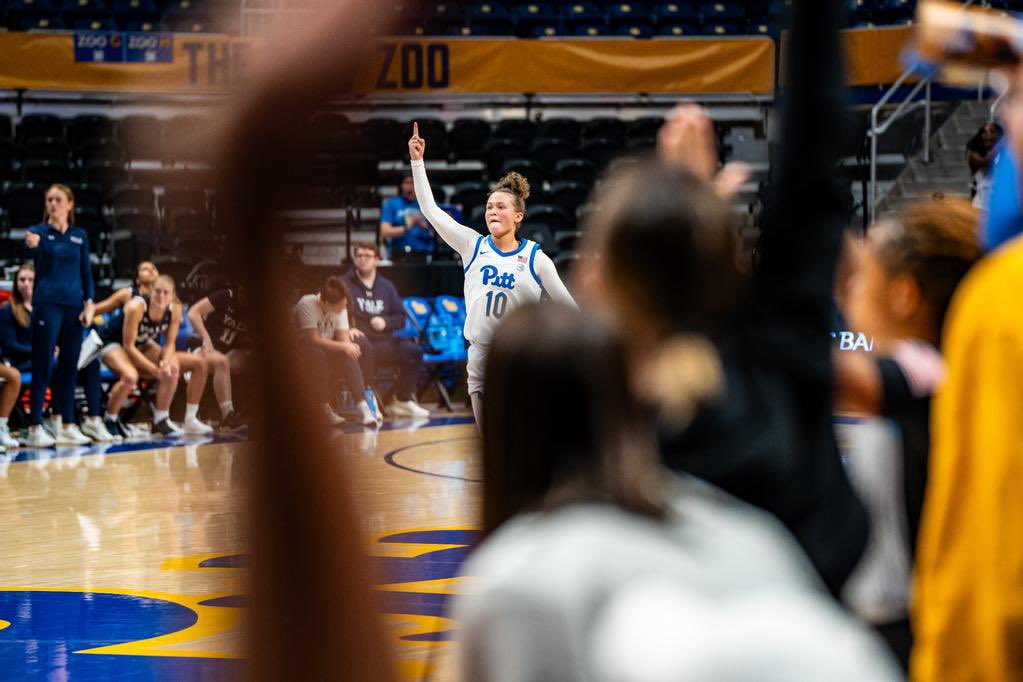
(413, 66)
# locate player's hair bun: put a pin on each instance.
(513, 183)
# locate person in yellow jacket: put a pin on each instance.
(968, 612)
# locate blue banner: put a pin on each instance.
(149, 48)
(98, 47)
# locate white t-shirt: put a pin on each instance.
(309, 314)
(542, 586)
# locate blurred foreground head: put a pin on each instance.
(562, 423)
(312, 614)
(661, 265)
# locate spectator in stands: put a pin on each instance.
(402, 225)
(768, 438)
(220, 320)
(62, 306)
(327, 347)
(981, 151)
(377, 314)
(575, 519)
(903, 278)
(142, 341)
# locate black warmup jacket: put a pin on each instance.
(770, 440)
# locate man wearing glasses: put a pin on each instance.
(376, 312)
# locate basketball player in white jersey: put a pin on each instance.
(501, 270)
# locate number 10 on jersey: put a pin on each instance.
(497, 302)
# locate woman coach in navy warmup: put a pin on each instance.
(61, 306)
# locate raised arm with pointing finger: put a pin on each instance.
(457, 236)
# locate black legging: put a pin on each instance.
(404, 355)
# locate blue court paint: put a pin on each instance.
(228, 561)
(48, 629)
(392, 459)
(434, 537)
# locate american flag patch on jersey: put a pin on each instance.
(522, 259)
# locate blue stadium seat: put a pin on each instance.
(532, 170)
(678, 30)
(635, 30)
(134, 7)
(591, 30)
(31, 5)
(722, 29)
(442, 10)
(578, 170)
(549, 150)
(676, 13)
(468, 137)
(497, 151)
(488, 28)
(89, 21)
(543, 31)
(536, 13)
(84, 5)
(604, 127)
(490, 18)
(565, 129)
(578, 14)
(521, 130)
(553, 216)
(568, 195)
(140, 22)
(722, 12)
(40, 125)
(627, 13)
(21, 20)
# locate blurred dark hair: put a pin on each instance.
(333, 290)
(586, 439)
(667, 244)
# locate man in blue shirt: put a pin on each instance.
(402, 225)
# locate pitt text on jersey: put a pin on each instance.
(501, 280)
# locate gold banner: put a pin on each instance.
(195, 63)
(872, 54)
(210, 63)
(739, 65)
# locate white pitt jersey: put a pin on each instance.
(495, 282)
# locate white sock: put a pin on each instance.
(160, 415)
(110, 416)
(3, 423)
(363, 405)
(191, 412)
(226, 408)
(94, 420)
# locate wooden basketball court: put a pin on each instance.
(127, 561)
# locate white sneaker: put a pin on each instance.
(53, 426)
(71, 435)
(38, 438)
(94, 428)
(333, 418)
(368, 418)
(408, 408)
(195, 427)
(7, 439)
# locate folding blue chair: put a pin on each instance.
(432, 331)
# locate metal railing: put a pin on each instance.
(905, 107)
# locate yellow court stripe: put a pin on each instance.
(4, 624)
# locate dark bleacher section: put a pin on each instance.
(182, 16)
(589, 18)
(134, 195)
